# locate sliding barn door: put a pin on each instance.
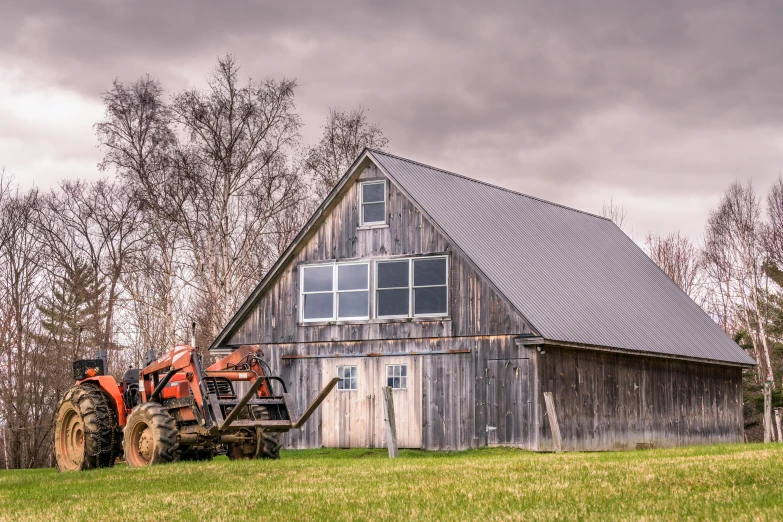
(403, 374)
(348, 412)
(508, 402)
(353, 414)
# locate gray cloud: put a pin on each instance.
(659, 104)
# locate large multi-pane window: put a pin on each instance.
(348, 378)
(373, 203)
(412, 287)
(339, 291)
(404, 288)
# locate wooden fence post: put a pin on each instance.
(767, 411)
(553, 424)
(391, 422)
(778, 424)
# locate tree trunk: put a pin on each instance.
(767, 412)
(108, 326)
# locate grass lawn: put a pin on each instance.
(740, 482)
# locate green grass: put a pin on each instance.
(740, 482)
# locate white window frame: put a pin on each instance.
(398, 376)
(411, 288)
(335, 293)
(356, 377)
(362, 222)
(302, 293)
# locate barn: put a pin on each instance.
(491, 314)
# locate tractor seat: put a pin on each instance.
(131, 376)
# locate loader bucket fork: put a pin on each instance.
(284, 400)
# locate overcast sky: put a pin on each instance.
(655, 105)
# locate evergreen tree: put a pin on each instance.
(72, 317)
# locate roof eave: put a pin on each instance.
(568, 344)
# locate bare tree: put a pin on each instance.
(615, 212)
(97, 222)
(234, 177)
(138, 141)
(115, 214)
(734, 253)
(345, 135)
(679, 258)
(773, 232)
(205, 199)
(26, 393)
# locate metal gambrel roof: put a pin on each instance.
(575, 276)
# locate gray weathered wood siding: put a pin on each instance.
(460, 398)
(492, 395)
(475, 306)
(610, 401)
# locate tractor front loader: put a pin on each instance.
(173, 409)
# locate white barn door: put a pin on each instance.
(353, 414)
(403, 374)
(348, 412)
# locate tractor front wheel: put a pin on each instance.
(267, 445)
(150, 436)
(85, 429)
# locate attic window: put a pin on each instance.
(373, 203)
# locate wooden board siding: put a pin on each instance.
(455, 410)
(610, 401)
(475, 306)
(355, 418)
(492, 392)
(509, 389)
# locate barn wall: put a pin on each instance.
(488, 396)
(610, 401)
(475, 307)
(458, 395)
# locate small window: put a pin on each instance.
(348, 379)
(373, 203)
(397, 376)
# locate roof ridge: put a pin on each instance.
(480, 182)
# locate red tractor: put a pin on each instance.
(173, 409)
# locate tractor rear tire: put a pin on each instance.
(150, 436)
(85, 430)
(270, 442)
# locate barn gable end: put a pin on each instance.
(475, 307)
